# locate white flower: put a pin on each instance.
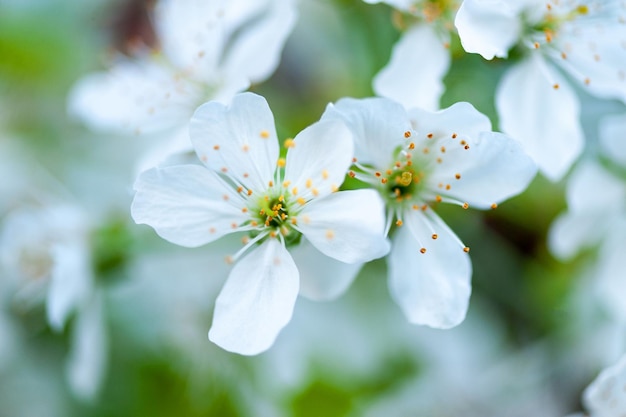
(243, 191)
(535, 102)
(208, 50)
(420, 59)
(606, 396)
(46, 257)
(416, 160)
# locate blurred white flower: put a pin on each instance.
(606, 396)
(420, 59)
(207, 50)
(416, 160)
(246, 189)
(46, 257)
(535, 102)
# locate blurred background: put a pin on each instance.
(535, 336)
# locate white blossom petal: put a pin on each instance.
(605, 396)
(239, 140)
(611, 137)
(377, 124)
(322, 278)
(70, 282)
(86, 365)
(488, 27)
(347, 226)
(543, 115)
(611, 284)
(319, 159)
(414, 74)
(494, 168)
(133, 98)
(186, 204)
(571, 232)
(255, 52)
(257, 300)
(432, 288)
(460, 118)
(592, 188)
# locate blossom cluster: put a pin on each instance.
(363, 187)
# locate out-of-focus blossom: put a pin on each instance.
(420, 59)
(46, 257)
(535, 101)
(606, 396)
(277, 202)
(207, 50)
(416, 160)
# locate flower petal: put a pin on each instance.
(377, 124)
(239, 139)
(70, 282)
(460, 118)
(255, 52)
(322, 278)
(488, 27)
(494, 168)
(319, 159)
(186, 204)
(605, 396)
(611, 137)
(347, 226)
(257, 300)
(432, 288)
(610, 275)
(571, 232)
(86, 364)
(543, 115)
(133, 98)
(592, 188)
(414, 74)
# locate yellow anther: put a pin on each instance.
(405, 179)
(245, 148)
(271, 183)
(434, 236)
(454, 136)
(294, 191)
(289, 143)
(216, 147)
(286, 183)
(398, 222)
(438, 198)
(457, 176)
(407, 134)
(443, 149)
(309, 183)
(330, 234)
(315, 192)
(411, 145)
(466, 249)
(555, 86)
(249, 192)
(465, 206)
(429, 136)
(294, 221)
(423, 250)
(264, 134)
(212, 230)
(254, 223)
(281, 198)
(225, 197)
(244, 210)
(281, 162)
(494, 206)
(325, 174)
(301, 201)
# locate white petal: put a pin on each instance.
(571, 232)
(86, 364)
(255, 51)
(257, 300)
(432, 288)
(70, 282)
(176, 142)
(545, 119)
(610, 276)
(488, 27)
(319, 160)
(186, 204)
(611, 137)
(592, 188)
(377, 124)
(347, 225)
(461, 118)
(494, 168)
(414, 74)
(191, 34)
(133, 98)
(240, 139)
(605, 396)
(322, 278)
(595, 53)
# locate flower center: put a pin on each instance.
(274, 214)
